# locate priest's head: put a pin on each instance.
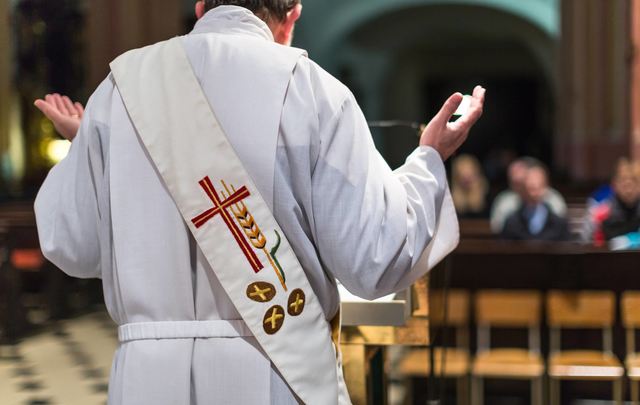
(280, 15)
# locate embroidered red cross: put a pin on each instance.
(221, 207)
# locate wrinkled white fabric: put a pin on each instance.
(103, 212)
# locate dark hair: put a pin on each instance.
(265, 9)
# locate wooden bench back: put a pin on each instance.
(509, 309)
(457, 307)
(581, 309)
(630, 306)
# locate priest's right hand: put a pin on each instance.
(65, 114)
(446, 137)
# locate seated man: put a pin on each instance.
(534, 219)
(508, 201)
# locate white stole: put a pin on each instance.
(228, 217)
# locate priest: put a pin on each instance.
(221, 184)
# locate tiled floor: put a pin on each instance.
(66, 366)
(70, 366)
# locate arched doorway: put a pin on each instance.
(402, 58)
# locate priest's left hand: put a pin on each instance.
(446, 137)
(65, 114)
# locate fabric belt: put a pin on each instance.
(182, 330)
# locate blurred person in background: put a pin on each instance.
(599, 206)
(508, 201)
(620, 215)
(535, 219)
(469, 187)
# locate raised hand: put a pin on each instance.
(65, 114)
(446, 137)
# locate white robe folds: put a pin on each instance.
(104, 212)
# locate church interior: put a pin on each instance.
(537, 305)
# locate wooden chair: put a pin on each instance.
(508, 310)
(631, 321)
(417, 362)
(582, 310)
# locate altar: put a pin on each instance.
(370, 327)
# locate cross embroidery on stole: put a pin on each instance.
(221, 207)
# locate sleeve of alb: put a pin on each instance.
(67, 206)
(374, 224)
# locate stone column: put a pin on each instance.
(115, 26)
(594, 118)
(12, 144)
(635, 79)
(5, 75)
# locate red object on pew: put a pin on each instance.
(27, 259)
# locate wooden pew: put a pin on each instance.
(492, 264)
(29, 284)
(17, 226)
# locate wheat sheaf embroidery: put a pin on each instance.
(253, 232)
(248, 224)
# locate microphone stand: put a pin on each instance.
(434, 396)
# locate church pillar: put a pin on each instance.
(115, 26)
(5, 75)
(12, 144)
(635, 80)
(594, 118)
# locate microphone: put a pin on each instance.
(416, 126)
(464, 107)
